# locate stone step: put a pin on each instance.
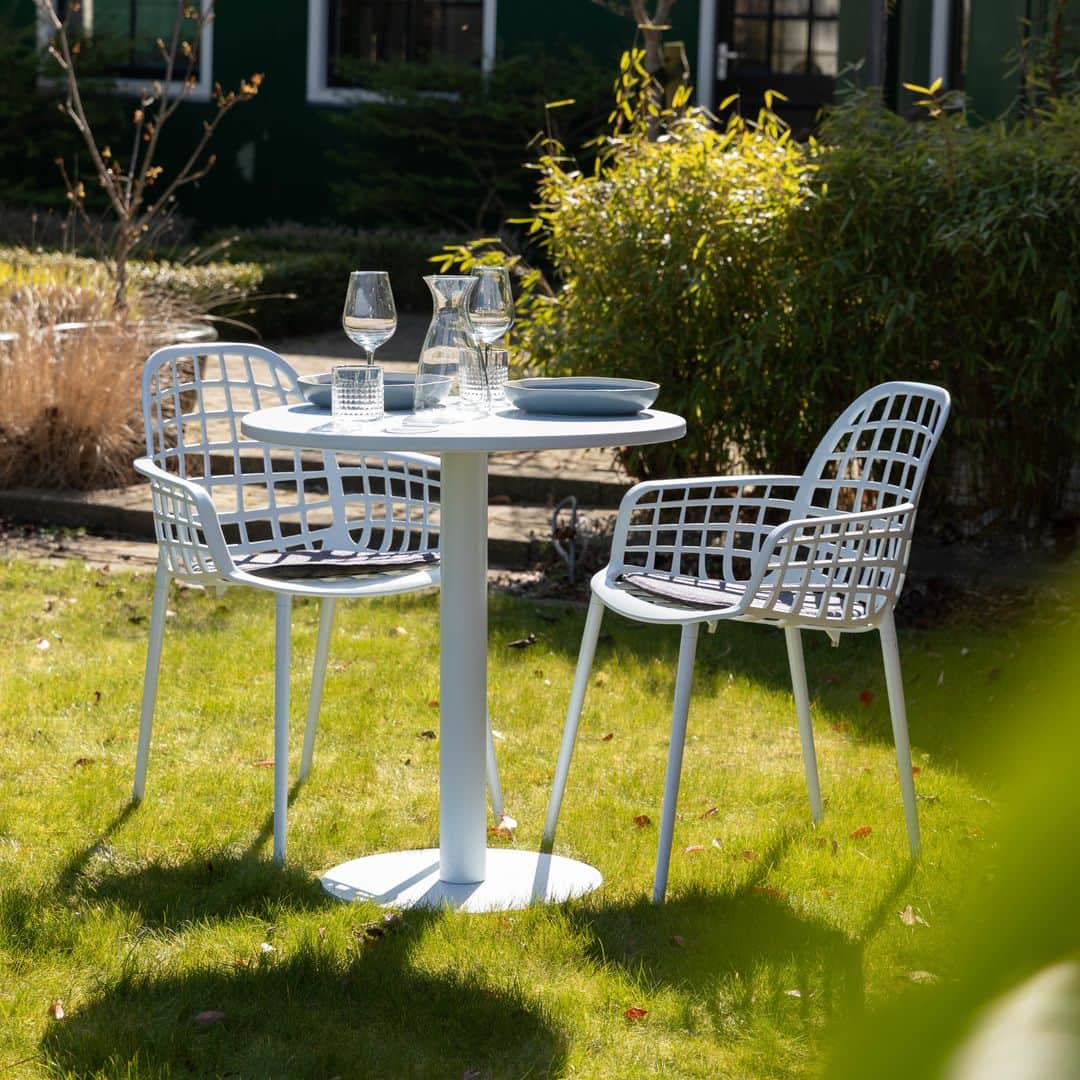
(518, 535)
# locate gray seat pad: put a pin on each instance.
(687, 591)
(311, 563)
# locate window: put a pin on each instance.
(341, 32)
(788, 37)
(125, 34)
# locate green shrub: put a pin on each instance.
(765, 284)
(445, 144)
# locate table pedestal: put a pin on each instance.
(462, 873)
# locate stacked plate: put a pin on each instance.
(581, 396)
(397, 390)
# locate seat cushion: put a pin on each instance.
(686, 591)
(311, 563)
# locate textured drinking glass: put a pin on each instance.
(356, 394)
(370, 317)
(483, 382)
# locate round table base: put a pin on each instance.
(515, 879)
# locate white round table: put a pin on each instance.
(462, 873)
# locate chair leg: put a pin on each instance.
(573, 716)
(683, 679)
(318, 678)
(493, 783)
(890, 653)
(793, 635)
(282, 660)
(162, 578)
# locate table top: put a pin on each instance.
(510, 429)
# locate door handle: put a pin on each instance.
(724, 53)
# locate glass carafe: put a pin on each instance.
(449, 348)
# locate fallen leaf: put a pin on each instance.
(909, 917)
(428, 734)
(83, 761)
(866, 697)
(861, 831)
(941, 677)
(400, 631)
(602, 678)
(56, 1009)
(709, 813)
(749, 856)
(209, 1016)
(678, 941)
(642, 820)
(841, 725)
(608, 737)
(321, 932)
(768, 890)
(636, 1013)
(716, 844)
(793, 993)
(433, 703)
(266, 763)
(522, 643)
(922, 977)
(693, 849)
(42, 644)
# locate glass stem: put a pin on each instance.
(370, 355)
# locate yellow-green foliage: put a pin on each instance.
(765, 283)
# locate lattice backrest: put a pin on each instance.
(269, 498)
(877, 452)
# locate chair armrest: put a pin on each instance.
(186, 523)
(832, 562)
(669, 522)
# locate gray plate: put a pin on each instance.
(397, 390)
(582, 396)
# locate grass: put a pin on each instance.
(774, 933)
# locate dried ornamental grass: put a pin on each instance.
(69, 400)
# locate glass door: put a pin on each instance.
(784, 45)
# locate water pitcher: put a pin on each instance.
(450, 345)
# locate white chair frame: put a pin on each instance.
(826, 551)
(206, 478)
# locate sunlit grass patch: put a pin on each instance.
(141, 920)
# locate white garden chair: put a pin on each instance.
(321, 527)
(827, 550)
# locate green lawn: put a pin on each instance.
(141, 919)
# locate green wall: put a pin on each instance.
(275, 155)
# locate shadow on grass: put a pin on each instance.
(838, 678)
(742, 952)
(321, 1012)
(321, 1009)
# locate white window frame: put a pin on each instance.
(204, 84)
(319, 92)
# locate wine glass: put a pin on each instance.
(370, 318)
(491, 310)
(491, 305)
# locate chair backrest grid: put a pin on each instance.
(193, 400)
(877, 452)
